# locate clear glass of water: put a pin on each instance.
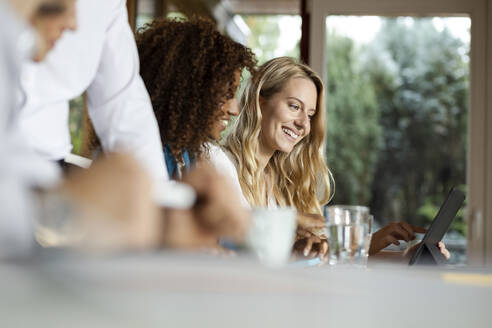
(349, 234)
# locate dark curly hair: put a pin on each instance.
(188, 68)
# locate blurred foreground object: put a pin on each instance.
(217, 212)
(165, 193)
(100, 58)
(107, 206)
(189, 290)
(272, 234)
(20, 169)
(110, 207)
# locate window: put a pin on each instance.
(75, 120)
(396, 88)
(479, 151)
(271, 36)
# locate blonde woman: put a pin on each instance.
(278, 161)
(276, 147)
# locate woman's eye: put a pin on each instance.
(294, 107)
(310, 116)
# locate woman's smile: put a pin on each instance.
(290, 134)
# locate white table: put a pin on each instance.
(179, 290)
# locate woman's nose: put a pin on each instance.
(231, 107)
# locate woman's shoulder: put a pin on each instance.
(224, 163)
(220, 157)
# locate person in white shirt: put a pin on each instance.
(16, 42)
(100, 57)
(31, 195)
(20, 169)
(108, 206)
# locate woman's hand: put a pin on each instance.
(309, 245)
(444, 250)
(442, 247)
(391, 234)
(307, 221)
(404, 256)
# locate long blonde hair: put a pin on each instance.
(299, 178)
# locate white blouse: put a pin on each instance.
(224, 163)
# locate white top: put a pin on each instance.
(223, 162)
(100, 57)
(20, 167)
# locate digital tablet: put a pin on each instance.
(428, 252)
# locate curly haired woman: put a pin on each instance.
(192, 73)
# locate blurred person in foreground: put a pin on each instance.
(108, 206)
(101, 59)
(20, 169)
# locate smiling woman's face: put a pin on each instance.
(286, 115)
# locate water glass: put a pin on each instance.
(349, 234)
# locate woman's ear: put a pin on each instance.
(261, 101)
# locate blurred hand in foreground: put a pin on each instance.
(217, 213)
(112, 209)
(113, 204)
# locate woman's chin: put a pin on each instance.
(216, 138)
(285, 148)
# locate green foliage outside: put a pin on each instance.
(264, 37)
(397, 111)
(431, 206)
(353, 132)
(75, 120)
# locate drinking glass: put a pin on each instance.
(348, 232)
(365, 251)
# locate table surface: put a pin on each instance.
(185, 290)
